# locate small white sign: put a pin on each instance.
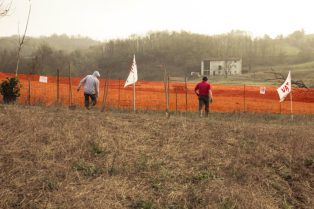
(43, 79)
(262, 90)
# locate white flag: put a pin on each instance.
(262, 90)
(285, 88)
(133, 74)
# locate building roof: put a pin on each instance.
(222, 59)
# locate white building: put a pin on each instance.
(217, 67)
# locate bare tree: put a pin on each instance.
(4, 8)
(281, 78)
(21, 39)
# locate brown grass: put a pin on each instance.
(60, 158)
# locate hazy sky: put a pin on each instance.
(107, 19)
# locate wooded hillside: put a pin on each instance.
(180, 52)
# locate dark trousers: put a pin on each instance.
(93, 99)
(203, 101)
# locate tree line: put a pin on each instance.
(179, 52)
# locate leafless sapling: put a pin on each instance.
(21, 39)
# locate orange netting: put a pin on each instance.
(150, 95)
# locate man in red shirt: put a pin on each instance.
(205, 95)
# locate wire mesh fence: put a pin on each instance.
(151, 95)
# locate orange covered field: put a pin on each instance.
(150, 95)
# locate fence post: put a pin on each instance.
(70, 86)
(106, 86)
(166, 90)
(176, 90)
(119, 93)
(168, 95)
(103, 108)
(244, 98)
(29, 90)
(186, 96)
(58, 86)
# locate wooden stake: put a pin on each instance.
(176, 89)
(168, 95)
(70, 86)
(165, 91)
(291, 104)
(103, 105)
(29, 90)
(119, 93)
(134, 99)
(244, 98)
(186, 96)
(58, 86)
(106, 87)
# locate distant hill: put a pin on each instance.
(179, 52)
(56, 42)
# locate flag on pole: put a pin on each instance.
(133, 74)
(285, 88)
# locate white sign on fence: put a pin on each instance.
(43, 79)
(262, 90)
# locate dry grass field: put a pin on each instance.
(57, 158)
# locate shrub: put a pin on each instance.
(10, 89)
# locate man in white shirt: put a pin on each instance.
(91, 88)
